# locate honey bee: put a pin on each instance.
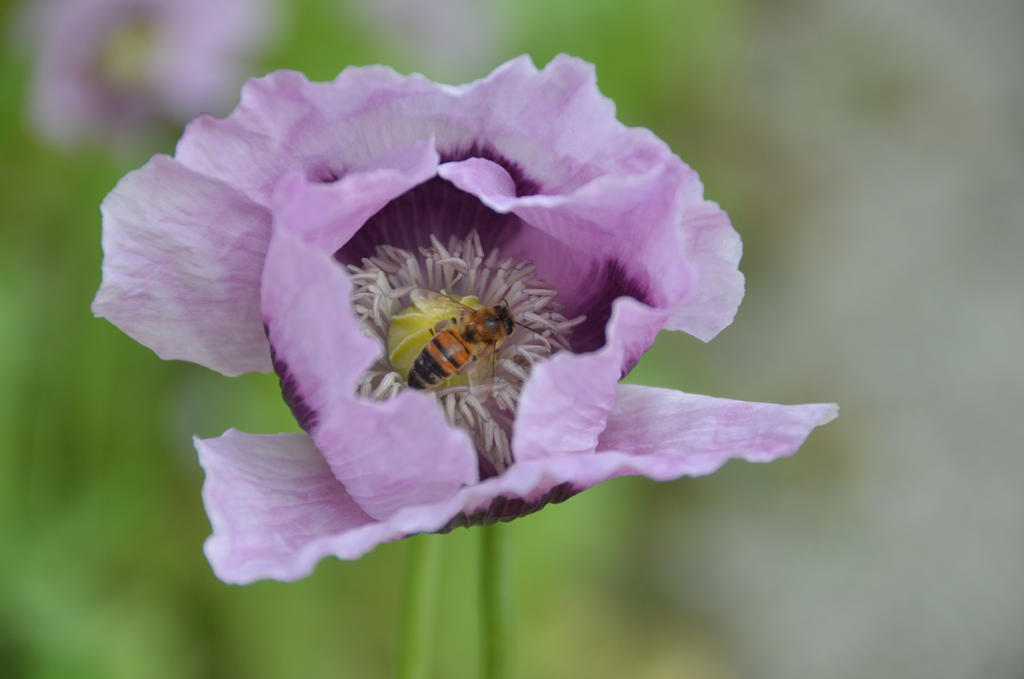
(462, 343)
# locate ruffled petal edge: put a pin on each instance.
(183, 256)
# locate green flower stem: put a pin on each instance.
(496, 614)
(420, 607)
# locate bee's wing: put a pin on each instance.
(481, 372)
(435, 304)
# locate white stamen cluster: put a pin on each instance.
(461, 269)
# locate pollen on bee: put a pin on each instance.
(407, 300)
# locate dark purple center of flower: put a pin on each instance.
(434, 207)
(437, 207)
(614, 282)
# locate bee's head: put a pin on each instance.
(502, 311)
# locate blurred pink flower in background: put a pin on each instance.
(114, 71)
(289, 236)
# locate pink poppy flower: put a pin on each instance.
(115, 70)
(291, 236)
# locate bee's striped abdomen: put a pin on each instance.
(443, 356)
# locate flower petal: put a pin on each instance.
(680, 433)
(712, 249)
(329, 214)
(388, 455)
(565, 403)
(683, 252)
(181, 267)
(488, 181)
(284, 123)
(658, 433)
(276, 508)
(553, 122)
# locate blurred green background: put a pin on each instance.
(871, 157)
